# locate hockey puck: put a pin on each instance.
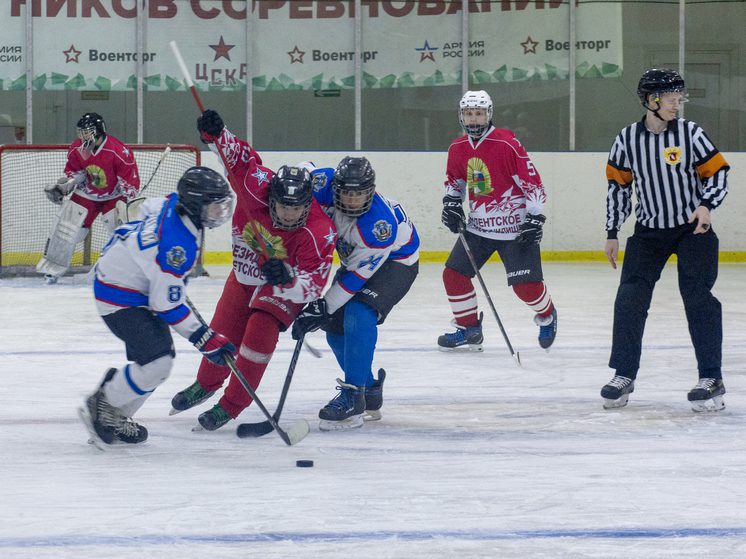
(304, 463)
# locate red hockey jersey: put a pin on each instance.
(109, 172)
(308, 249)
(501, 182)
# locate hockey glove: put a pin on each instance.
(212, 345)
(531, 230)
(311, 318)
(57, 191)
(453, 213)
(210, 125)
(276, 272)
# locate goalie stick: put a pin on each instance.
(124, 209)
(260, 429)
(461, 229)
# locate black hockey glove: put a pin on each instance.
(212, 345)
(276, 272)
(311, 318)
(531, 230)
(210, 125)
(453, 213)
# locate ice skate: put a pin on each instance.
(107, 425)
(191, 396)
(213, 419)
(49, 279)
(470, 336)
(374, 398)
(616, 392)
(547, 329)
(345, 410)
(707, 395)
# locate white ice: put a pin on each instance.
(473, 458)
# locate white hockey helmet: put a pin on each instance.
(475, 100)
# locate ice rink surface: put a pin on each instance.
(473, 458)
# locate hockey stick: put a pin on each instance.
(263, 427)
(461, 229)
(135, 202)
(297, 431)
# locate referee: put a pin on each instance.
(679, 177)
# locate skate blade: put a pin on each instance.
(354, 422)
(174, 411)
(93, 438)
(198, 428)
(614, 404)
(462, 348)
(372, 415)
(713, 404)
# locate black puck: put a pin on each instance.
(304, 463)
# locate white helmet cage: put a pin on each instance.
(475, 100)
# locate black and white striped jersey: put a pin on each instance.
(674, 172)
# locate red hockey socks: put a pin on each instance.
(258, 345)
(536, 296)
(462, 297)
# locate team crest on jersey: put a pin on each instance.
(382, 230)
(176, 257)
(478, 178)
(96, 177)
(672, 155)
(266, 242)
(318, 181)
(344, 249)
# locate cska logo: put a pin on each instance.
(275, 247)
(478, 178)
(672, 155)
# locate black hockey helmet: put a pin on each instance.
(657, 81)
(355, 179)
(290, 187)
(205, 197)
(91, 127)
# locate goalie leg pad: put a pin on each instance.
(65, 234)
(110, 221)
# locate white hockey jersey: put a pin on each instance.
(145, 264)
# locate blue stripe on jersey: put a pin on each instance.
(175, 315)
(351, 282)
(322, 186)
(119, 296)
(178, 247)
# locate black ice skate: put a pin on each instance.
(547, 329)
(107, 425)
(374, 398)
(707, 395)
(213, 419)
(463, 336)
(188, 398)
(617, 391)
(345, 410)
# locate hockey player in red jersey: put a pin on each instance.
(282, 255)
(489, 167)
(100, 171)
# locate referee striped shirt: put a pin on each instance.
(674, 172)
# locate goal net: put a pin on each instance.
(27, 214)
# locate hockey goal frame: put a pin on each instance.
(22, 262)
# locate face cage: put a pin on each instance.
(475, 130)
(88, 136)
(216, 213)
(279, 224)
(353, 212)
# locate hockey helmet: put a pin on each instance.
(354, 184)
(657, 81)
(290, 196)
(205, 197)
(475, 100)
(91, 127)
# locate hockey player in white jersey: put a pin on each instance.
(378, 248)
(139, 288)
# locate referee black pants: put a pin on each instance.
(646, 253)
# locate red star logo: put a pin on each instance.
(426, 52)
(71, 54)
(529, 45)
(296, 55)
(221, 50)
